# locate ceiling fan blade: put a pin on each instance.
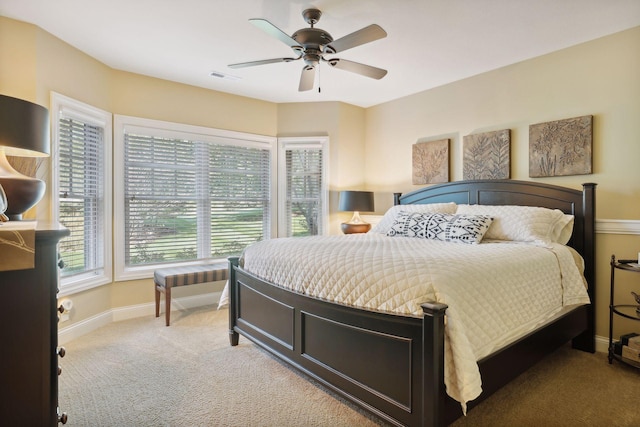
(262, 62)
(365, 35)
(307, 78)
(276, 32)
(356, 67)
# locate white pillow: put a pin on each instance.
(524, 223)
(445, 227)
(389, 217)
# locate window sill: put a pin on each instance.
(80, 285)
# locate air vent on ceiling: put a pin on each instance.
(220, 75)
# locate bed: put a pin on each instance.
(404, 384)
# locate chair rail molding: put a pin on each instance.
(618, 226)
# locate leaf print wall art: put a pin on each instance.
(431, 162)
(486, 155)
(560, 148)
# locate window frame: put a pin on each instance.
(123, 124)
(68, 107)
(305, 142)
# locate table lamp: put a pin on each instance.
(356, 201)
(24, 132)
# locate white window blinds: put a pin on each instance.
(161, 205)
(304, 187)
(239, 197)
(80, 195)
(188, 198)
(82, 140)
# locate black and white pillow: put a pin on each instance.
(390, 216)
(445, 227)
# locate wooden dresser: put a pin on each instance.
(29, 335)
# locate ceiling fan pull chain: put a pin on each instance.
(318, 78)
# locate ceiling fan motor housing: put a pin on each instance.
(312, 38)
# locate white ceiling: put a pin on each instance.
(429, 42)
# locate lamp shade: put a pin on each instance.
(24, 128)
(361, 201)
(24, 132)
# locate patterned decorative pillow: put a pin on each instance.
(384, 225)
(468, 229)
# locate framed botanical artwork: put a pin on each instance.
(487, 155)
(562, 147)
(431, 162)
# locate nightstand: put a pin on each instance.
(628, 311)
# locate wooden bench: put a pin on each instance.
(167, 278)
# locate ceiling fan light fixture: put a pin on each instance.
(329, 50)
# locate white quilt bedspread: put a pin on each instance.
(495, 291)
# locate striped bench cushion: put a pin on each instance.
(189, 275)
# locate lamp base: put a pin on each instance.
(348, 228)
(22, 194)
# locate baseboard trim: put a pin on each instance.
(602, 344)
(90, 324)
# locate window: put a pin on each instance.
(303, 186)
(82, 192)
(189, 194)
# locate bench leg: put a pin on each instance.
(157, 301)
(167, 299)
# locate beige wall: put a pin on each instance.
(344, 125)
(18, 59)
(141, 96)
(599, 78)
(371, 148)
(33, 63)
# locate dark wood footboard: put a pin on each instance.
(341, 347)
(392, 366)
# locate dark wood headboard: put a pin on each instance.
(581, 204)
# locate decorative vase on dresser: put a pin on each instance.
(29, 329)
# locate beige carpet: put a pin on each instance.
(141, 373)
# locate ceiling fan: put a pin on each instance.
(312, 44)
